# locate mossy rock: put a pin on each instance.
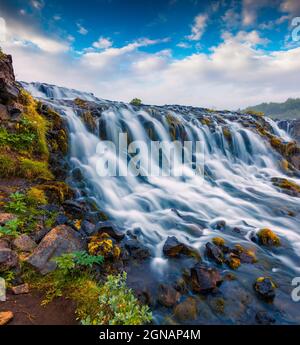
(36, 196)
(102, 244)
(268, 238)
(81, 103)
(56, 191)
(218, 241)
(286, 184)
(89, 121)
(32, 170)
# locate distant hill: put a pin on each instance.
(287, 110)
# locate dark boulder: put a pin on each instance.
(214, 252)
(87, 228)
(8, 259)
(167, 295)
(265, 288)
(173, 248)
(74, 208)
(136, 250)
(110, 229)
(204, 279)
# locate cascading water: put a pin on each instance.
(236, 188)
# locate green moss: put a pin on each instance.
(218, 241)
(268, 238)
(56, 192)
(173, 122)
(255, 113)
(227, 134)
(136, 102)
(286, 184)
(31, 169)
(89, 121)
(36, 196)
(8, 165)
(80, 102)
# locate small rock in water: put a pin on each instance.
(268, 238)
(265, 288)
(187, 310)
(110, 229)
(264, 318)
(167, 295)
(5, 317)
(20, 289)
(137, 250)
(24, 243)
(173, 248)
(204, 279)
(215, 253)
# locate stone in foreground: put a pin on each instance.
(24, 243)
(204, 279)
(20, 289)
(5, 317)
(60, 240)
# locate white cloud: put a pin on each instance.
(198, 27)
(251, 8)
(81, 29)
(103, 43)
(37, 4)
(231, 18)
(236, 73)
(183, 45)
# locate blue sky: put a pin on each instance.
(222, 54)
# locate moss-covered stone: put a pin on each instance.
(36, 196)
(32, 170)
(286, 184)
(218, 241)
(102, 244)
(56, 191)
(81, 103)
(268, 238)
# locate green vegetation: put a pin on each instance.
(17, 205)
(286, 110)
(11, 228)
(136, 102)
(31, 169)
(118, 305)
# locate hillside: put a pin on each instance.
(290, 109)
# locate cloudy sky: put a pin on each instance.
(220, 54)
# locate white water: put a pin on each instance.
(236, 188)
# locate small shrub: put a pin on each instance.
(136, 102)
(10, 228)
(17, 204)
(118, 305)
(8, 166)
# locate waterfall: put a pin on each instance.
(236, 186)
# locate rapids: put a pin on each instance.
(236, 188)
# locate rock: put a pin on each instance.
(264, 318)
(268, 238)
(61, 219)
(5, 217)
(4, 244)
(204, 279)
(20, 289)
(186, 310)
(214, 253)
(136, 250)
(265, 288)
(218, 241)
(219, 225)
(246, 256)
(74, 208)
(24, 243)
(167, 296)
(87, 228)
(5, 317)
(8, 259)
(110, 229)
(77, 175)
(60, 240)
(233, 261)
(3, 112)
(8, 88)
(40, 234)
(173, 248)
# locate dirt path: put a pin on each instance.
(27, 310)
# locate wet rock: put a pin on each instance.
(265, 288)
(74, 208)
(102, 244)
(264, 318)
(214, 252)
(24, 243)
(173, 248)
(60, 240)
(62, 219)
(5, 317)
(40, 234)
(136, 250)
(8, 88)
(268, 238)
(204, 279)
(186, 310)
(167, 295)
(110, 229)
(87, 227)
(219, 225)
(233, 261)
(20, 289)
(218, 241)
(246, 256)
(77, 175)
(8, 259)
(5, 217)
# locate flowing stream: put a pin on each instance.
(236, 186)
